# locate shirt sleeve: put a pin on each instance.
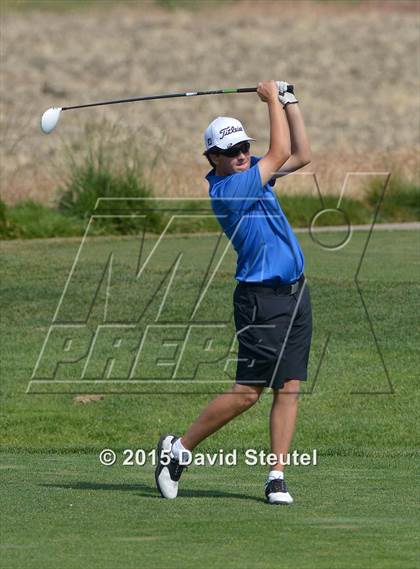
(241, 190)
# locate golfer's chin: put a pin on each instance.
(242, 167)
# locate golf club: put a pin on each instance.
(50, 117)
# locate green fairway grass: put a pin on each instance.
(335, 415)
(71, 512)
(354, 509)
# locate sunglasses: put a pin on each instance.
(234, 150)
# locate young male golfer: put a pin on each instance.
(271, 301)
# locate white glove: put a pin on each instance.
(285, 97)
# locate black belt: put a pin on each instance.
(275, 285)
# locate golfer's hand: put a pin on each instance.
(268, 91)
(285, 97)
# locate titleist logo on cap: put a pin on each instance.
(229, 130)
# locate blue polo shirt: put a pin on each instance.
(251, 217)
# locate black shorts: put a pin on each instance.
(274, 330)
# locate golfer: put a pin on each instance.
(272, 307)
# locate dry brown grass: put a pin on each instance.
(355, 67)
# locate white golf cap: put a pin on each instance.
(224, 132)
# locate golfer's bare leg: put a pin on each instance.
(219, 412)
(283, 418)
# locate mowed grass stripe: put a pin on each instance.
(71, 511)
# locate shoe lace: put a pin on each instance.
(176, 469)
(277, 485)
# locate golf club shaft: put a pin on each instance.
(170, 96)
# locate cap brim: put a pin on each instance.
(220, 148)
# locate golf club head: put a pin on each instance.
(49, 119)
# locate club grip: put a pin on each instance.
(290, 87)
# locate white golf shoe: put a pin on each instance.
(168, 470)
(276, 492)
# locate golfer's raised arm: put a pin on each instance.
(279, 150)
(300, 148)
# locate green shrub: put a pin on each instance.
(300, 210)
(192, 216)
(32, 220)
(103, 173)
(7, 229)
(401, 201)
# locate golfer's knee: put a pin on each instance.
(247, 395)
(289, 393)
(292, 386)
(249, 399)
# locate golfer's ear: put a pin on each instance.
(214, 158)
